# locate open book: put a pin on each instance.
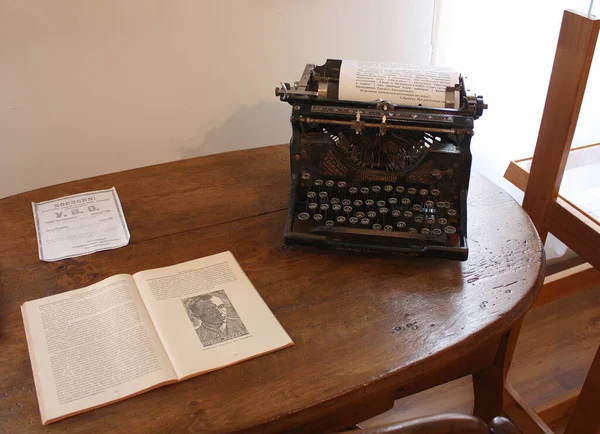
(128, 334)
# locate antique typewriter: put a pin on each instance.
(375, 174)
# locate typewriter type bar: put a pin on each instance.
(381, 175)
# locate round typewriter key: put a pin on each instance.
(383, 210)
(329, 223)
(407, 214)
(324, 206)
(392, 201)
(364, 190)
(318, 182)
(450, 229)
(323, 194)
(369, 202)
(405, 201)
(341, 219)
(396, 213)
(353, 220)
(400, 189)
(451, 212)
(418, 219)
(412, 231)
(342, 184)
(347, 209)
(311, 194)
(305, 175)
(372, 214)
(431, 220)
(358, 202)
(442, 221)
(360, 215)
(377, 226)
(388, 188)
(365, 221)
(441, 204)
(303, 216)
(318, 217)
(412, 190)
(381, 203)
(376, 189)
(346, 202)
(429, 203)
(401, 225)
(437, 232)
(417, 207)
(423, 192)
(447, 204)
(435, 192)
(388, 228)
(313, 206)
(353, 190)
(336, 207)
(329, 183)
(425, 231)
(335, 200)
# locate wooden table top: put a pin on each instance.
(362, 325)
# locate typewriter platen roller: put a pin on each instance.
(380, 158)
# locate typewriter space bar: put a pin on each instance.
(345, 233)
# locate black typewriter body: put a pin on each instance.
(375, 176)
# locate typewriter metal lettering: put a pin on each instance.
(375, 174)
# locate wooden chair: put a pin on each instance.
(552, 213)
(446, 424)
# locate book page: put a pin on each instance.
(92, 346)
(208, 314)
(397, 83)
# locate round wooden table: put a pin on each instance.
(366, 329)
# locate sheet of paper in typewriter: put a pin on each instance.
(398, 83)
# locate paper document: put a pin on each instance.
(397, 83)
(80, 224)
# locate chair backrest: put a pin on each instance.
(446, 424)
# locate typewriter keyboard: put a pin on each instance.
(379, 207)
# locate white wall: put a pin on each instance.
(93, 87)
(506, 49)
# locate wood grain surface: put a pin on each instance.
(366, 329)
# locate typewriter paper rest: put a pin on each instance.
(380, 158)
